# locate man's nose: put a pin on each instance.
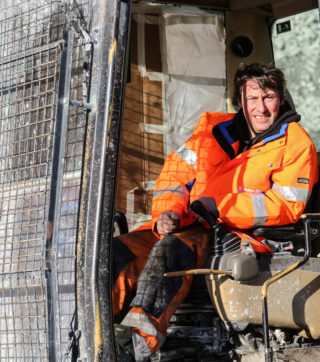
(260, 105)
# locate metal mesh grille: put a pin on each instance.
(30, 33)
(27, 97)
(70, 195)
(23, 322)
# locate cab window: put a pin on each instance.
(296, 49)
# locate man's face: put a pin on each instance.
(260, 106)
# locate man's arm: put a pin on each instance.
(172, 191)
(190, 163)
(173, 186)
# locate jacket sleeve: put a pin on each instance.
(284, 202)
(173, 186)
(171, 192)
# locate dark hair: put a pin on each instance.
(267, 76)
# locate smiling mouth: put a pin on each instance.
(261, 117)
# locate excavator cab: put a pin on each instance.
(265, 306)
(94, 95)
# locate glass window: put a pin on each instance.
(296, 45)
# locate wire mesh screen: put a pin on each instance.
(30, 47)
(70, 194)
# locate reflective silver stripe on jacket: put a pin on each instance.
(187, 155)
(292, 193)
(179, 190)
(259, 208)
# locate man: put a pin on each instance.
(253, 168)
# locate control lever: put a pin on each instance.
(201, 209)
(241, 266)
(223, 240)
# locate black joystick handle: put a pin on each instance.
(199, 208)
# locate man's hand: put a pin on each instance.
(168, 223)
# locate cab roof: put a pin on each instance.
(272, 9)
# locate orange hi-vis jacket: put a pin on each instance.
(267, 183)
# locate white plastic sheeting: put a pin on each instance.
(186, 103)
(193, 55)
(194, 71)
(193, 78)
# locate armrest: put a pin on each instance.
(292, 232)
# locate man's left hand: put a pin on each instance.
(168, 223)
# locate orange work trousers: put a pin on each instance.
(143, 298)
